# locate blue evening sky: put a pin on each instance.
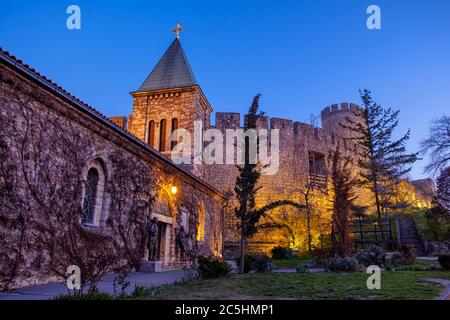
(301, 55)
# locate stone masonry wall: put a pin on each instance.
(105, 142)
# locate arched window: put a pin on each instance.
(90, 196)
(201, 223)
(151, 134)
(93, 189)
(162, 135)
(174, 127)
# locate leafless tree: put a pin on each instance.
(438, 145)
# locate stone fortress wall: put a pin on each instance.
(299, 143)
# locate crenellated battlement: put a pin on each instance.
(336, 108)
(335, 115)
(296, 134)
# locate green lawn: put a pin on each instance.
(394, 285)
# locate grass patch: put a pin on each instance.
(396, 285)
(88, 297)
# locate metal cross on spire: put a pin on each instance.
(177, 30)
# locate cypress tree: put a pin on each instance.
(246, 189)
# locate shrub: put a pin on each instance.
(409, 254)
(373, 255)
(256, 262)
(396, 259)
(91, 296)
(437, 224)
(321, 256)
(212, 267)
(444, 261)
(248, 262)
(345, 264)
(261, 263)
(282, 253)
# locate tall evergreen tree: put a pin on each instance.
(381, 157)
(246, 189)
(342, 182)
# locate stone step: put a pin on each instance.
(409, 235)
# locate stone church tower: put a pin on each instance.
(170, 98)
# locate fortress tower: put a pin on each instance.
(335, 116)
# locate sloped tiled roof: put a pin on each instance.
(172, 71)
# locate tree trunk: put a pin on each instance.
(377, 199)
(308, 219)
(308, 224)
(242, 262)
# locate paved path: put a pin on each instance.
(51, 290)
(445, 295)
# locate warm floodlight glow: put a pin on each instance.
(174, 190)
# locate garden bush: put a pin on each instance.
(212, 267)
(373, 255)
(256, 262)
(346, 264)
(396, 259)
(409, 254)
(437, 224)
(282, 253)
(444, 261)
(248, 262)
(321, 256)
(262, 263)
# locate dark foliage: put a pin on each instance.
(438, 223)
(409, 254)
(282, 253)
(256, 262)
(444, 260)
(344, 264)
(262, 263)
(209, 268)
(249, 259)
(342, 185)
(373, 255)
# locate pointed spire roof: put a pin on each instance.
(172, 71)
